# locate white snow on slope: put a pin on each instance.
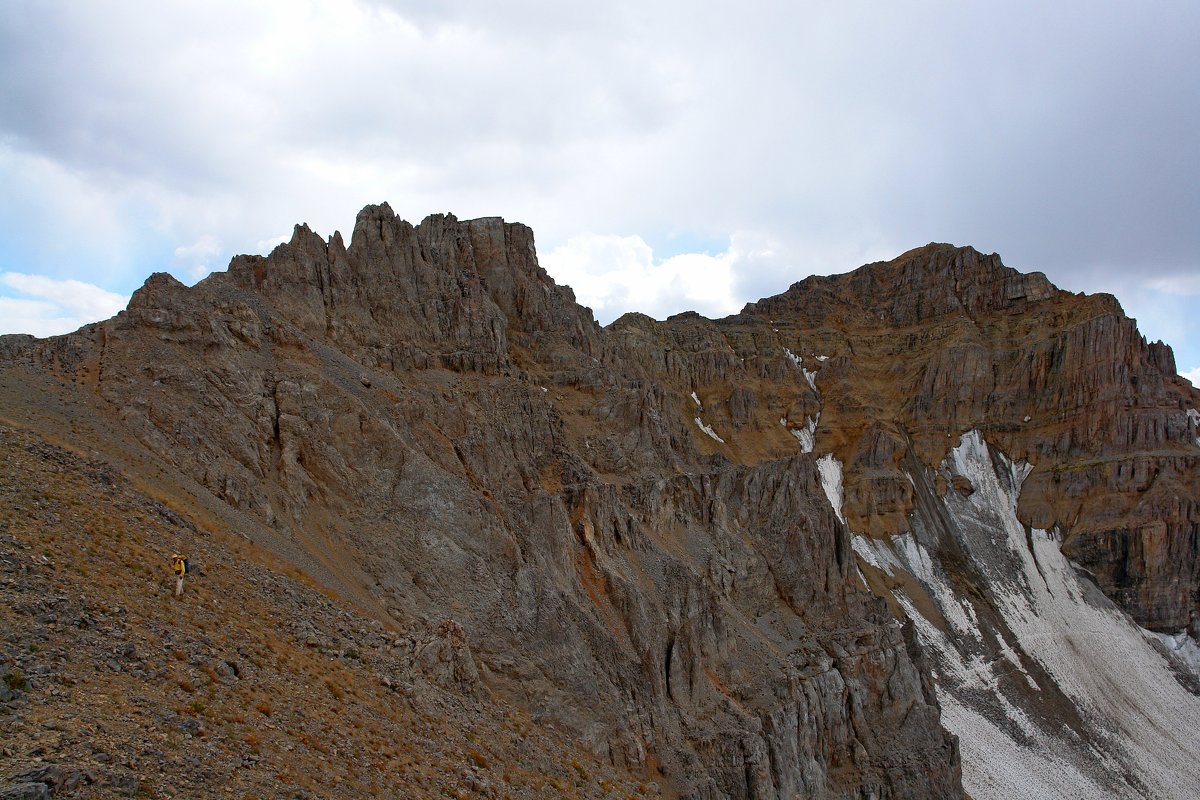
(807, 434)
(831, 481)
(906, 553)
(707, 429)
(811, 377)
(997, 766)
(697, 399)
(1140, 738)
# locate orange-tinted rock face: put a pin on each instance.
(944, 340)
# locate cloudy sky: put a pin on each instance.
(668, 155)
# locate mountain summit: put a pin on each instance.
(868, 538)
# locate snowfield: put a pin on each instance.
(1052, 690)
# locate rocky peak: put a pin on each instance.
(159, 290)
(446, 292)
(922, 284)
(897, 358)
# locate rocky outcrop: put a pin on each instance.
(1063, 381)
(443, 294)
(441, 432)
(628, 525)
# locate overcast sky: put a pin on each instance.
(668, 156)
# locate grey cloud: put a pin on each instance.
(1061, 136)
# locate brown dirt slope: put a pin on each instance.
(258, 683)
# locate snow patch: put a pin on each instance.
(697, 399)
(865, 548)
(904, 552)
(862, 579)
(808, 434)
(995, 765)
(1141, 739)
(707, 429)
(969, 674)
(1027, 418)
(831, 481)
(822, 358)
(811, 377)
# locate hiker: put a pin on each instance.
(179, 565)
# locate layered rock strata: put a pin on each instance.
(904, 356)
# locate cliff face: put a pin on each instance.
(456, 295)
(906, 355)
(632, 525)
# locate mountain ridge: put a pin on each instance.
(631, 524)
